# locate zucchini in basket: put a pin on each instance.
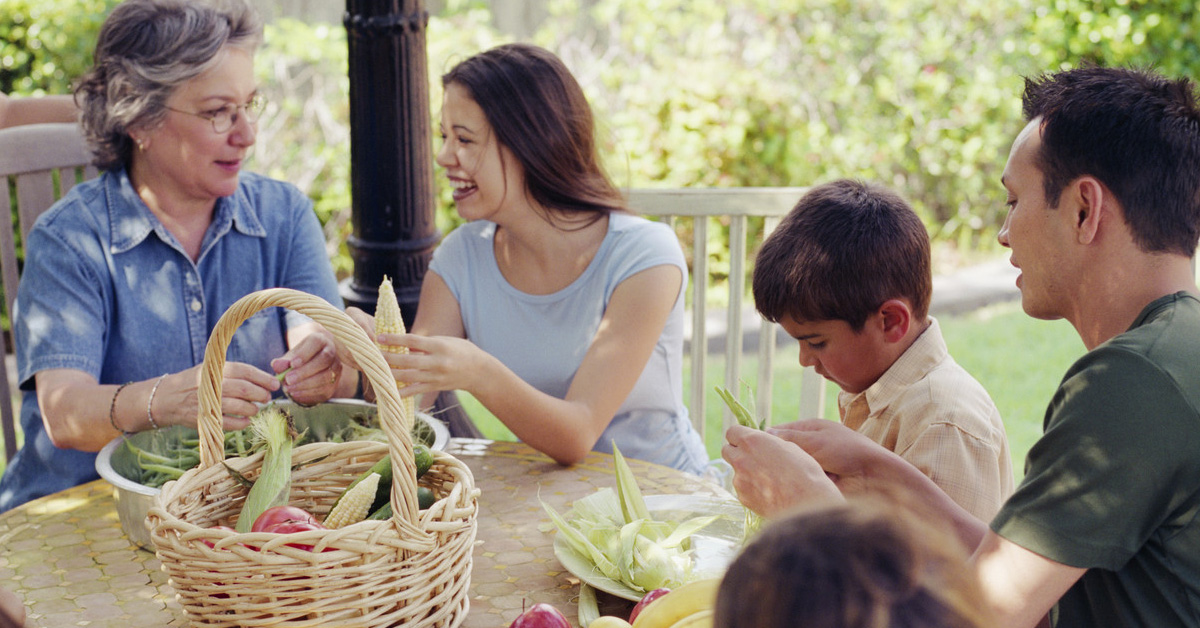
(423, 459)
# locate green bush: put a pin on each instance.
(921, 95)
(1149, 33)
(45, 44)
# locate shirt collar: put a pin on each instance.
(926, 352)
(131, 221)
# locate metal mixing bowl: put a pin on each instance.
(134, 500)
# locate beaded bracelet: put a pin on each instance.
(112, 408)
(150, 401)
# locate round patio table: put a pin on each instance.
(66, 556)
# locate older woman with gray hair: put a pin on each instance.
(127, 275)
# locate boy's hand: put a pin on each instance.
(771, 474)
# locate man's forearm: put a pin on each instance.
(894, 469)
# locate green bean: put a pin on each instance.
(172, 472)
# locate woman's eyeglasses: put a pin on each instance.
(225, 117)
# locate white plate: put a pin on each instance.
(713, 547)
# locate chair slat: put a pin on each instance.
(32, 157)
(35, 193)
(7, 419)
(8, 252)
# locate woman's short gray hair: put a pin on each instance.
(145, 50)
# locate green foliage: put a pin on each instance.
(1148, 33)
(46, 44)
(304, 133)
(920, 95)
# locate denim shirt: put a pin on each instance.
(107, 290)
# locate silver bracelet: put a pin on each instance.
(150, 401)
(112, 409)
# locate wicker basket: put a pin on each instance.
(410, 570)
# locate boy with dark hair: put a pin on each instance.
(1103, 189)
(847, 274)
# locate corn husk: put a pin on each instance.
(274, 484)
(616, 533)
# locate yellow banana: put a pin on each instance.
(684, 601)
(608, 621)
(699, 619)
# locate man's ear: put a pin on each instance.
(1089, 196)
(897, 318)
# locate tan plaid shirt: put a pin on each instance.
(931, 412)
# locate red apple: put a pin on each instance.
(645, 601)
(541, 615)
(277, 515)
(210, 543)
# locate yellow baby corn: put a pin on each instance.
(354, 505)
(389, 321)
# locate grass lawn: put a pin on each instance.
(1018, 360)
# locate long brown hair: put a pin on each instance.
(539, 112)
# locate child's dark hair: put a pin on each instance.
(866, 563)
(845, 249)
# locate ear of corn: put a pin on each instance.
(274, 484)
(354, 505)
(740, 412)
(383, 469)
(389, 321)
(753, 521)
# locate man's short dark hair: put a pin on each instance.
(1136, 132)
(845, 249)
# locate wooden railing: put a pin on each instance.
(703, 206)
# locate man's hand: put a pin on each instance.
(771, 474)
(849, 458)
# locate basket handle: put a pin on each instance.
(396, 422)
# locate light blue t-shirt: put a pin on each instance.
(543, 338)
(108, 290)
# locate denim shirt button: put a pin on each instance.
(196, 305)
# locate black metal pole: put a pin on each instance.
(391, 161)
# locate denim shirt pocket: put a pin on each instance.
(259, 339)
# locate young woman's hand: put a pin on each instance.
(437, 363)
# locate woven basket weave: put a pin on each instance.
(411, 570)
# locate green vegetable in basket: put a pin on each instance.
(423, 459)
(274, 483)
(425, 499)
(384, 469)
